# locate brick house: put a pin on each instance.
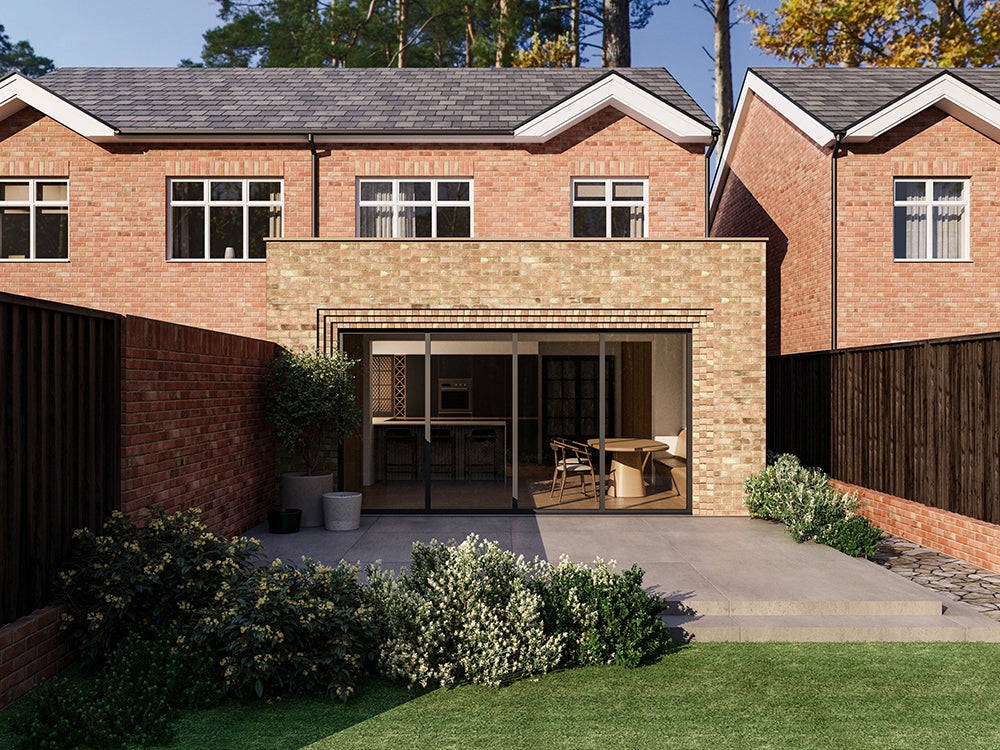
(513, 255)
(879, 184)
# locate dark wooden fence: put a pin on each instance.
(59, 437)
(918, 420)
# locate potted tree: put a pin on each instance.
(309, 400)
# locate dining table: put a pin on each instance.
(629, 457)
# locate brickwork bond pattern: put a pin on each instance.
(193, 428)
(31, 651)
(714, 288)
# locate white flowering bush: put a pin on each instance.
(809, 507)
(467, 612)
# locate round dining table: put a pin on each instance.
(628, 462)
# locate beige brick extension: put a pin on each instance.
(715, 289)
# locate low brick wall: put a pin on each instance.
(30, 651)
(966, 538)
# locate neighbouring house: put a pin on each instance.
(878, 192)
(512, 255)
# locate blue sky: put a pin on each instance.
(160, 33)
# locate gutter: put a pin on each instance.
(837, 140)
(708, 181)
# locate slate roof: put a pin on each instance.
(337, 100)
(841, 97)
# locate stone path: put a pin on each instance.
(945, 575)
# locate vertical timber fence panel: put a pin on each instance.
(59, 436)
(919, 420)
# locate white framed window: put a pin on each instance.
(930, 219)
(34, 219)
(414, 207)
(610, 208)
(223, 219)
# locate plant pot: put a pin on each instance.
(283, 521)
(342, 510)
(305, 492)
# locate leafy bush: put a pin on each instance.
(296, 629)
(134, 698)
(607, 617)
(465, 612)
(809, 507)
(143, 580)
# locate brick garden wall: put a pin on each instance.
(30, 651)
(714, 288)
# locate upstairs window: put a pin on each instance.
(223, 219)
(415, 208)
(931, 220)
(610, 208)
(34, 219)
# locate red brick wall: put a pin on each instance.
(193, 429)
(880, 300)
(966, 538)
(118, 205)
(779, 188)
(30, 651)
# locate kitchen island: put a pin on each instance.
(461, 449)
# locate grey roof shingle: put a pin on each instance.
(841, 97)
(330, 100)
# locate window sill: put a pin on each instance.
(216, 260)
(34, 260)
(932, 260)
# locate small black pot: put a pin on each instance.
(284, 521)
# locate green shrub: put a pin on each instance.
(607, 617)
(144, 579)
(134, 698)
(288, 628)
(465, 612)
(809, 507)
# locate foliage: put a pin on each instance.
(291, 629)
(309, 398)
(809, 507)
(902, 33)
(21, 57)
(545, 53)
(606, 617)
(144, 579)
(134, 698)
(465, 612)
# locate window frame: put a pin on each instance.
(32, 204)
(396, 204)
(608, 203)
(207, 203)
(929, 204)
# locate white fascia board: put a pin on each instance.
(17, 92)
(957, 98)
(614, 91)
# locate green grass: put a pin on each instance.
(703, 696)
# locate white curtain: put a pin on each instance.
(376, 221)
(916, 231)
(948, 231)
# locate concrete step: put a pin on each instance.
(927, 606)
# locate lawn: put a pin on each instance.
(703, 696)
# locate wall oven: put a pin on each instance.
(455, 397)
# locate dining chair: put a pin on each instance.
(571, 459)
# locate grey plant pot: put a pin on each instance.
(342, 510)
(305, 491)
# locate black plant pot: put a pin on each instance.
(284, 521)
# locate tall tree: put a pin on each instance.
(719, 10)
(906, 33)
(617, 47)
(21, 57)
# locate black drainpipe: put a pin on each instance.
(708, 181)
(315, 185)
(837, 138)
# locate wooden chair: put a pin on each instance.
(571, 459)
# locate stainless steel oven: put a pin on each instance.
(455, 397)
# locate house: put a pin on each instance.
(512, 255)
(877, 190)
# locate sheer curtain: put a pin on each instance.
(376, 221)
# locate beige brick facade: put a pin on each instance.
(714, 289)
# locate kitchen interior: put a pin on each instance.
(490, 430)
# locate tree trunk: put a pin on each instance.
(617, 45)
(723, 71)
(402, 13)
(503, 51)
(574, 32)
(470, 35)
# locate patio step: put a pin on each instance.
(928, 606)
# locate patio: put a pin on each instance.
(725, 578)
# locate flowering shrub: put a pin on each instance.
(134, 698)
(288, 628)
(142, 580)
(607, 617)
(466, 612)
(809, 507)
